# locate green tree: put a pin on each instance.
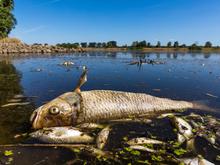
(142, 44)
(7, 19)
(176, 44)
(84, 44)
(169, 44)
(208, 44)
(158, 44)
(92, 45)
(112, 44)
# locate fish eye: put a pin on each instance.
(54, 110)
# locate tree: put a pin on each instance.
(142, 44)
(104, 45)
(148, 44)
(99, 45)
(208, 44)
(194, 47)
(158, 44)
(84, 44)
(7, 19)
(176, 44)
(134, 44)
(169, 44)
(92, 44)
(112, 44)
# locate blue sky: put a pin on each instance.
(56, 21)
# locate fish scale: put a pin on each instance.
(104, 105)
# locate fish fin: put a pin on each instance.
(204, 106)
(82, 80)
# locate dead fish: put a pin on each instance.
(90, 126)
(67, 63)
(15, 104)
(142, 148)
(99, 153)
(14, 100)
(167, 115)
(211, 95)
(102, 137)
(195, 161)
(143, 140)
(73, 108)
(183, 127)
(59, 135)
(184, 132)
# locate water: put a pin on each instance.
(183, 76)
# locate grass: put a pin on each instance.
(10, 40)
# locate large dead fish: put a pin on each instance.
(73, 108)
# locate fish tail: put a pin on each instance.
(204, 106)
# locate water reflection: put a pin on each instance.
(12, 118)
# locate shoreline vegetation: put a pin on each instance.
(13, 46)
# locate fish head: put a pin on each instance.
(61, 111)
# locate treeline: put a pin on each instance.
(176, 44)
(110, 44)
(136, 45)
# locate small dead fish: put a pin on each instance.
(90, 126)
(143, 148)
(156, 90)
(143, 140)
(211, 95)
(99, 153)
(167, 115)
(15, 104)
(14, 100)
(195, 161)
(102, 137)
(183, 127)
(60, 135)
(67, 63)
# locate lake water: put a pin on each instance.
(192, 77)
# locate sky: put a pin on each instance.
(58, 21)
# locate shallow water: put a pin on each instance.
(192, 77)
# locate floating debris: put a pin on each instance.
(67, 63)
(37, 70)
(145, 61)
(156, 90)
(211, 95)
(15, 104)
(61, 135)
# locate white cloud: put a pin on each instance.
(34, 29)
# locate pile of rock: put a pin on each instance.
(11, 47)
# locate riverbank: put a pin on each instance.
(155, 50)
(13, 46)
